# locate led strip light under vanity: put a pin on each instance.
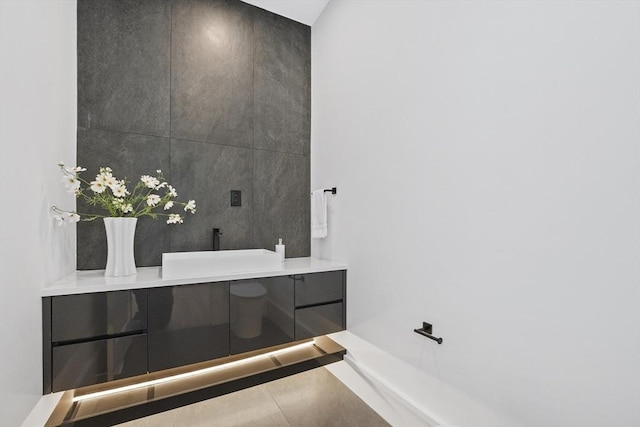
(192, 373)
(131, 398)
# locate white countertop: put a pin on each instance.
(82, 282)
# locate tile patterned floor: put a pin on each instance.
(313, 398)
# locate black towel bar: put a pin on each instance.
(426, 331)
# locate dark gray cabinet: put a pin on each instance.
(188, 324)
(93, 338)
(93, 362)
(261, 313)
(320, 320)
(318, 288)
(103, 336)
(320, 300)
(76, 317)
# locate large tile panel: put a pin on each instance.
(311, 398)
(206, 173)
(130, 156)
(212, 72)
(317, 398)
(282, 84)
(250, 407)
(281, 202)
(124, 64)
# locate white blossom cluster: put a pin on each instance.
(112, 194)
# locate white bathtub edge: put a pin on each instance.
(429, 399)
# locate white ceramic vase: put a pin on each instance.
(120, 237)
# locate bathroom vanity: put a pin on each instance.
(97, 329)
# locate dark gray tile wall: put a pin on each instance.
(212, 71)
(129, 155)
(209, 172)
(216, 93)
(123, 65)
(282, 85)
(281, 193)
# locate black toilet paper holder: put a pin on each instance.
(426, 331)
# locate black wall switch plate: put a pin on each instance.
(236, 198)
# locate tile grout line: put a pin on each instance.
(278, 405)
(170, 239)
(170, 71)
(192, 140)
(253, 132)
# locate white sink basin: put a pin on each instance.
(216, 263)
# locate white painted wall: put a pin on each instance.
(304, 11)
(37, 130)
(487, 160)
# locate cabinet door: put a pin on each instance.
(84, 316)
(318, 288)
(319, 320)
(188, 324)
(93, 362)
(261, 313)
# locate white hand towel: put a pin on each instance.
(318, 214)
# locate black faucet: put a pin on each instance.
(216, 239)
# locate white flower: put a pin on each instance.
(71, 170)
(104, 177)
(72, 184)
(119, 201)
(66, 217)
(73, 217)
(111, 182)
(149, 181)
(174, 219)
(153, 199)
(97, 186)
(191, 206)
(119, 190)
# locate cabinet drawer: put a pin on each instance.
(75, 317)
(317, 288)
(320, 320)
(77, 365)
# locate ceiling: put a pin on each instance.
(305, 11)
